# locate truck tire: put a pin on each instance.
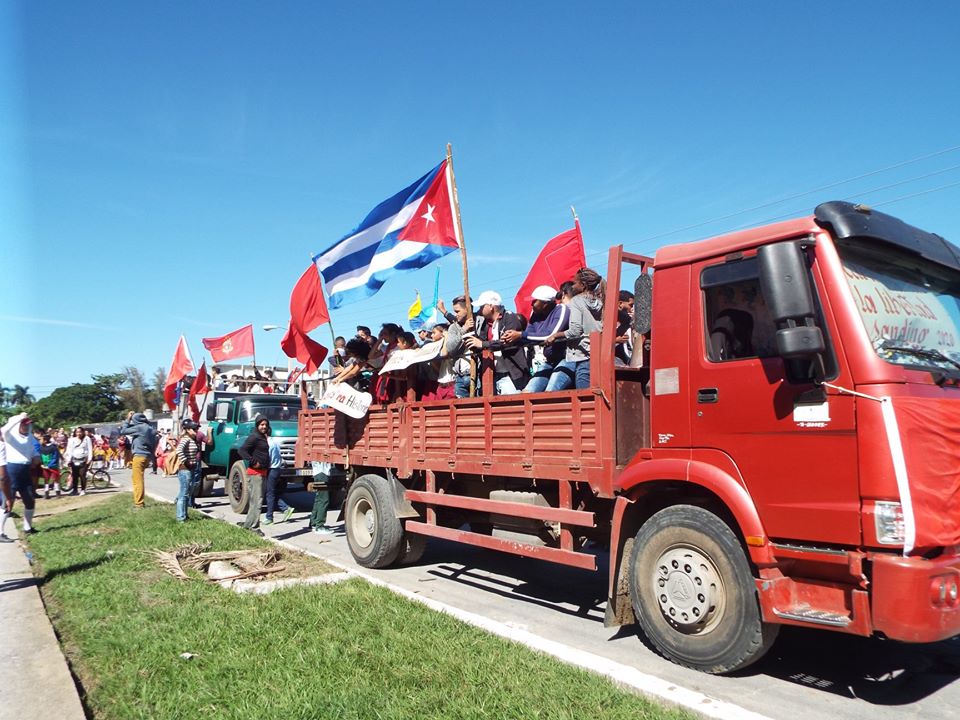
(237, 489)
(694, 594)
(412, 548)
(374, 533)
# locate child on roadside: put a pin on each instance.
(50, 466)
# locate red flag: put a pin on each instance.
(433, 221)
(201, 386)
(239, 343)
(181, 366)
(559, 260)
(308, 309)
(297, 344)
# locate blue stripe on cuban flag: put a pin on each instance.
(357, 265)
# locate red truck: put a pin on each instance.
(784, 448)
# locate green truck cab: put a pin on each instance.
(229, 420)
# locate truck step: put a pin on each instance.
(805, 613)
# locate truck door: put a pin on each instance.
(794, 446)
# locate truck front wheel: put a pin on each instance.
(693, 593)
(237, 489)
(374, 533)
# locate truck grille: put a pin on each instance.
(287, 449)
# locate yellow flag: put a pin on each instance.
(416, 308)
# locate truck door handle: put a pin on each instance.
(708, 395)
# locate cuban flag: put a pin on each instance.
(409, 231)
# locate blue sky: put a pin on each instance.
(170, 167)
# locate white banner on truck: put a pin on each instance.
(347, 400)
(401, 359)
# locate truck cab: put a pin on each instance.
(230, 418)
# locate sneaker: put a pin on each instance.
(266, 521)
(323, 530)
(31, 531)
(287, 513)
(83, 492)
(4, 538)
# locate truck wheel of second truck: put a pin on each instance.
(374, 533)
(694, 594)
(237, 490)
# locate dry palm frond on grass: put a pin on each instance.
(250, 563)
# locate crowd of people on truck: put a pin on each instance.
(548, 352)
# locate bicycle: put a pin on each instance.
(97, 476)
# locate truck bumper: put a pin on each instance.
(916, 600)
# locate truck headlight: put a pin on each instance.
(888, 518)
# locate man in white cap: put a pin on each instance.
(548, 317)
(23, 466)
(510, 371)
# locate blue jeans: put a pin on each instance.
(505, 386)
(541, 376)
(568, 374)
(183, 497)
(274, 499)
(461, 386)
(195, 483)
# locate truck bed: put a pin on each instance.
(557, 435)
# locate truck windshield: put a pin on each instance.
(910, 306)
(276, 411)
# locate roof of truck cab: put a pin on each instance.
(686, 253)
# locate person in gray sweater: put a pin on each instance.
(586, 316)
(144, 439)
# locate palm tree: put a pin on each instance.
(21, 395)
(4, 395)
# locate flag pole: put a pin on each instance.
(333, 335)
(463, 259)
(574, 211)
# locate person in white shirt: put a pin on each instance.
(5, 489)
(79, 455)
(23, 466)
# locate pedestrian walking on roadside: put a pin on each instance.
(255, 452)
(50, 466)
(6, 495)
(275, 499)
(188, 452)
(144, 443)
(79, 456)
(322, 471)
(23, 466)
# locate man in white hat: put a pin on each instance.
(510, 371)
(548, 317)
(23, 467)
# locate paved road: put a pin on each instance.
(816, 675)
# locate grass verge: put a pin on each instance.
(349, 650)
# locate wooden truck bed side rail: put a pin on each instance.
(544, 436)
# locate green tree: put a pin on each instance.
(20, 395)
(94, 402)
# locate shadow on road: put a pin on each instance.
(882, 672)
(563, 589)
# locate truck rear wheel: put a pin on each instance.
(374, 533)
(694, 594)
(237, 490)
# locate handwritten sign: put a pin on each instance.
(905, 314)
(346, 399)
(401, 359)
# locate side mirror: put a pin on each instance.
(784, 281)
(211, 413)
(785, 284)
